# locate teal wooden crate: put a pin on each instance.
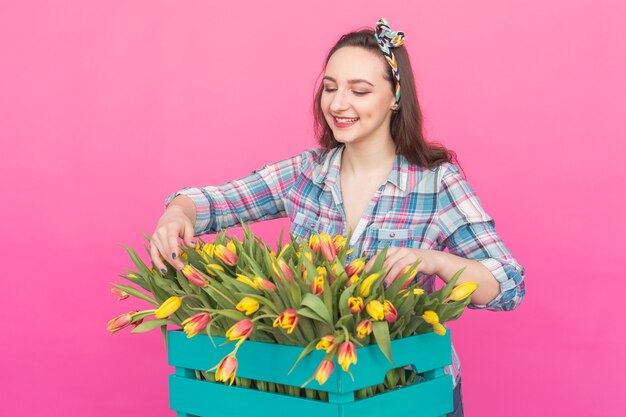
(190, 397)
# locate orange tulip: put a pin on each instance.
(119, 322)
(226, 369)
(355, 267)
(120, 294)
(355, 304)
(288, 319)
(196, 323)
(391, 314)
(329, 252)
(346, 355)
(194, 276)
(364, 328)
(264, 284)
(227, 254)
(240, 330)
(324, 370)
(326, 343)
(340, 242)
(317, 286)
(314, 243)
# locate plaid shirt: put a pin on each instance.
(416, 208)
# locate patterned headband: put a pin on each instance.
(386, 41)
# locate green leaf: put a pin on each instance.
(343, 300)
(317, 305)
(381, 333)
(308, 349)
(146, 326)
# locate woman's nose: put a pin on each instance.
(339, 101)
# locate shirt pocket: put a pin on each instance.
(303, 225)
(378, 238)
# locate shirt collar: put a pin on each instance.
(328, 170)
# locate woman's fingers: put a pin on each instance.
(188, 234)
(164, 243)
(154, 254)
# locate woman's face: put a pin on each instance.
(356, 99)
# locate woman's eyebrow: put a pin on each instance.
(355, 81)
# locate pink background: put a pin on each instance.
(107, 107)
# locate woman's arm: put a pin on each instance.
(469, 234)
(258, 196)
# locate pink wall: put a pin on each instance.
(107, 107)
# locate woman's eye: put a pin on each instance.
(329, 89)
(360, 93)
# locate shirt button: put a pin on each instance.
(392, 234)
(312, 224)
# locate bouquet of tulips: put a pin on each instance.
(306, 295)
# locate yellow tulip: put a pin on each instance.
(376, 310)
(168, 307)
(439, 329)
(430, 317)
(340, 242)
(226, 369)
(346, 355)
(366, 285)
(248, 305)
(355, 267)
(324, 370)
(246, 280)
(364, 328)
(462, 291)
(211, 268)
(418, 291)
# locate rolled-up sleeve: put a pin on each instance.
(468, 231)
(256, 197)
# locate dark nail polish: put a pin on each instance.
(385, 285)
(163, 270)
(173, 255)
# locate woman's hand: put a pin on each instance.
(399, 258)
(172, 224)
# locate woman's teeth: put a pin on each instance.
(346, 120)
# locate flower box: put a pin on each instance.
(428, 353)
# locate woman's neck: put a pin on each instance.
(368, 160)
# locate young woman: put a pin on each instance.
(374, 179)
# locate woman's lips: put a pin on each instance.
(343, 124)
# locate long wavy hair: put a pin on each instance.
(406, 124)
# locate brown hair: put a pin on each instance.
(406, 124)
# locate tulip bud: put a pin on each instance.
(226, 369)
(248, 305)
(264, 284)
(317, 286)
(226, 254)
(288, 319)
(246, 280)
(196, 323)
(118, 323)
(120, 294)
(418, 291)
(430, 317)
(439, 329)
(364, 328)
(346, 355)
(391, 314)
(329, 252)
(355, 304)
(366, 285)
(314, 243)
(326, 343)
(355, 267)
(340, 242)
(194, 276)
(463, 291)
(376, 310)
(240, 330)
(169, 307)
(324, 370)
